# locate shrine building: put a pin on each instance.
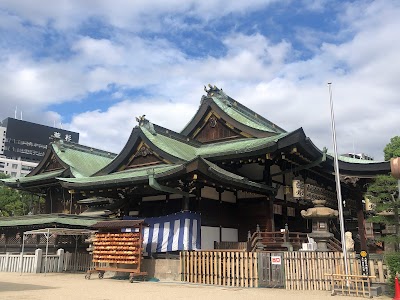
(229, 172)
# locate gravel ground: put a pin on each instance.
(74, 287)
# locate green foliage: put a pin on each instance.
(383, 193)
(17, 203)
(393, 148)
(393, 263)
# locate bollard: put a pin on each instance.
(396, 289)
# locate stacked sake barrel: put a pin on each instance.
(118, 248)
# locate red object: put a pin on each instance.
(396, 289)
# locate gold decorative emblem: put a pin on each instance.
(213, 121)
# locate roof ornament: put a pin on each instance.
(56, 139)
(213, 91)
(143, 122)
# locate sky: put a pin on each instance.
(93, 66)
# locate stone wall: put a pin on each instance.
(162, 269)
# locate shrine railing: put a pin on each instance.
(277, 240)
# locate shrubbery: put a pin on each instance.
(393, 264)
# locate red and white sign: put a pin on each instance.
(276, 260)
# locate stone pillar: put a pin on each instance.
(60, 254)
(38, 261)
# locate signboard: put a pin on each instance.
(364, 263)
(29, 140)
(276, 260)
(311, 192)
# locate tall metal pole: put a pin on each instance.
(338, 188)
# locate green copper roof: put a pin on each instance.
(172, 146)
(140, 173)
(234, 110)
(83, 161)
(42, 176)
(243, 118)
(187, 152)
(71, 220)
(237, 146)
(355, 160)
(161, 170)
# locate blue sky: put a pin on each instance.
(94, 68)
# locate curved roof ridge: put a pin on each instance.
(234, 110)
(83, 148)
(227, 102)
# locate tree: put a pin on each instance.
(383, 193)
(16, 203)
(393, 148)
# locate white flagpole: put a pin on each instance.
(338, 188)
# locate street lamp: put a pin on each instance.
(337, 179)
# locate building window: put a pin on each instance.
(26, 168)
(13, 174)
(14, 166)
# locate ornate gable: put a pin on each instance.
(52, 164)
(213, 128)
(142, 156)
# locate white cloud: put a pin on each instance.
(132, 15)
(267, 76)
(110, 129)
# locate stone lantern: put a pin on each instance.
(320, 215)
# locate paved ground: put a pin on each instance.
(75, 287)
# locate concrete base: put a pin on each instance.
(375, 291)
(162, 269)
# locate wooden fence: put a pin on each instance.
(81, 262)
(302, 270)
(229, 268)
(306, 270)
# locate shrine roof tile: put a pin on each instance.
(187, 152)
(42, 176)
(246, 116)
(63, 219)
(83, 161)
(128, 175)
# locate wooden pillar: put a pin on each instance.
(185, 202)
(48, 205)
(361, 221)
(220, 205)
(126, 206)
(269, 222)
(198, 197)
(285, 206)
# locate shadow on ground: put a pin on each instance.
(10, 286)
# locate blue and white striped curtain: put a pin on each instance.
(179, 231)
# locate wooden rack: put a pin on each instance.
(117, 251)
